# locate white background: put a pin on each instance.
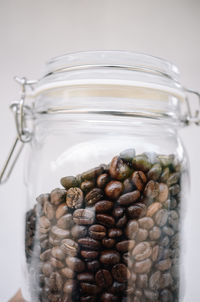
(33, 31)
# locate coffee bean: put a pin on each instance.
(137, 210)
(153, 208)
(56, 263)
(154, 280)
(117, 287)
(168, 231)
(163, 192)
(128, 198)
(128, 186)
(120, 272)
(75, 264)
(103, 278)
(69, 286)
(125, 245)
(103, 206)
(93, 196)
(44, 223)
(105, 219)
(89, 254)
(55, 282)
(139, 179)
(102, 180)
(118, 212)
(173, 179)
(97, 231)
(69, 182)
(118, 169)
(151, 189)
(114, 233)
(60, 233)
(166, 296)
(142, 251)
(108, 297)
(74, 198)
(164, 265)
(47, 269)
(85, 277)
(174, 190)
(54, 241)
(69, 247)
(93, 266)
(155, 252)
(151, 295)
(67, 272)
(146, 223)
(165, 241)
(65, 221)
(87, 185)
(45, 255)
(127, 155)
(141, 163)
(165, 175)
(88, 288)
(155, 172)
(83, 216)
(92, 173)
(49, 210)
(155, 233)
(166, 160)
(57, 196)
(114, 189)
(142, 281)
(161, 217)
(78, 231)
(131, 229)
(42, 198)
(89, 243)
(109, 257)
(57, 253)
(121, 222)
(166, 280)
(61, 210)
(108, 242)
(88, 299)
(142, 267)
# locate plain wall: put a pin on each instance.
(31, 32)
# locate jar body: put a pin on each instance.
(111, 233)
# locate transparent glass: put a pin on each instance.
(105, 181)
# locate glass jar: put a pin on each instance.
(106, 179)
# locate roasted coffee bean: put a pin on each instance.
(114, 189)
(53, 297)
(166, 296)
(47, 269)
(45, 255)
(92, 173)
(54, 241)
(57, 196)
(88, 288)
(108, 297)
(49, 210)
(78, 231)
(56, 263)
(161, 217)
(142, 281)
(103, 206)
(166, 160)
(146, 223)
(174, 190)
(117, 287)
(164, 265)
(105, 219)
(83, 216)
(69, 182)
(136, 210)
(154, 280)
(44, 223)
(55, 282)
(109, 257)
(118, 169)
(163, 192)
(125, 245)
(120, 272)
(74, 198)
(127, 155)
(155, 172)
(102, 180)
(85, 277)
(108, 242)
(142, 267)
(155, 233)
(151, 295)
(142, 251)
(151, 190)
(155, 252)
(166, 280)
(69, 247)
(168, 231)
(89, 254)
(65, 221)
(69, 286)
(60, 233)
(121, 221)
(42, 198)
(128, 198)
(141, 163)
(153, 208)
(103, 278)
(165, 175)
(173, 179)
(75, 264)
(118, 212)
(88, 299)
(114, 233)
(139, 179)
(131, 229)
(128, 186)
(97, 231)
(61, 210)
(93, 266)
(57, 253)
(87, 185)
(93, 196)
(89, 243)
(67, 272)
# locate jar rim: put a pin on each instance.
(112, 58)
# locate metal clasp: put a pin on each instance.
(190, 117)
(24, 135)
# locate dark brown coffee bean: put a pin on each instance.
(74, 198)
(65, 221)
(45, 255)
(69, 247)
(103, 206)
(88, 299)
(120, 272)
(88, 288)
(118, 288)
(78, 231)
(57, 253)
(69, 182)
(108, 242)
(57, 196)
(56, 263)
(97, 231)
(92, 173)
(103, 278)
(93, 196)
(55, 282)
(53, 297)
(85, 277)
(47, 269)
(87, 185)
(151, 190)
(121, 222)
(128, 186)
(49, 210)
(60, 233)
(139, 179)
(118, 212)
(93, 266)
(105, 219)
(89, 254)
(114, 189)
(83, 216)
(118, 169)
(69, 286)
(114, 233)
(102, 180)
(75, 264)
(108, 297)
(128, 198)
(131, 229)
(89, 243)
(136, 210)
(67, 272)
(109, 257)
(61, 210)
(125, 245)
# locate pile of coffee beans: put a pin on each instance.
(110, 234)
